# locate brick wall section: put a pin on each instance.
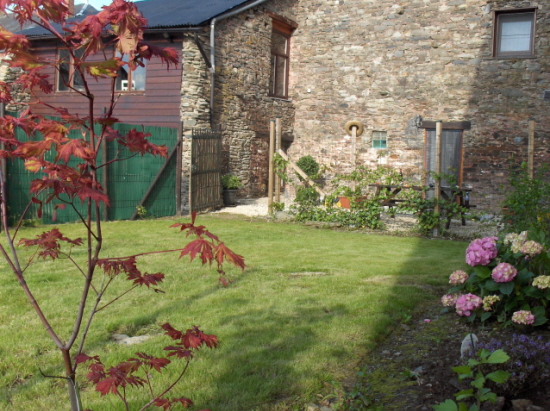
(386, 63)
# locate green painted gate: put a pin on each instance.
(136, 180)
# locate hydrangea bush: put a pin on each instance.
(509, 281)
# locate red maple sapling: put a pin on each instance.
(119, 27)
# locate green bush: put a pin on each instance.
(307, 195)
(231, 182)
(309, 166)
(527, 205)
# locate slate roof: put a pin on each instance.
(167, 13)
(11, 24)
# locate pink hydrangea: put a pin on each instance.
(458, 277)
(449, 300)
(481, 251)
(504, 273)
(531, 248)
(523, 317)
(466, 303)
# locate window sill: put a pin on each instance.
(516, 57)
(280, 98)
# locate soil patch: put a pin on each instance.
(411, 369)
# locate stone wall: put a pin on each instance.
(242, 106)
(385, 64)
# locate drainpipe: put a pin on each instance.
(213, 49)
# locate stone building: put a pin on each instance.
(481, 67)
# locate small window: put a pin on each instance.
(68, 78)
(280, 56)
(379, 139)
(514, 33)
(129, 80)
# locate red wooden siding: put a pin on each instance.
(158, 105)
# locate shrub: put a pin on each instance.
(309, 166)
(527, 205)
(231, 182)
(529, 364)
(507, 282)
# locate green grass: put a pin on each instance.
(311, 303)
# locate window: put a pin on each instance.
(68, 78)
(380, 139)
(451, 155)
(280, 53)
(514, 33)
(128, 80)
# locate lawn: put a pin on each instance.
(310, 304)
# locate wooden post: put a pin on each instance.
(278, 138)
(353, 152)
(179, 159)
(4, 164)
(104, 153)
(531, 147)
(271, 176)
(438, 135)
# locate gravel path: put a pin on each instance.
(402, 222)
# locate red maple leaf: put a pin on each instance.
(107, 385)
(221, 253)
(149, 279)
(178, 351)
(136, 142)
(202, 248)
(171, 331)
(152, 362)
(75, 147)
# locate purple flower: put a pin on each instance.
(504, 273)
(466, 303)
(481, 251)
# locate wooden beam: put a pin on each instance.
(179, 160)
(157, 178)
(531, 148)
(278, 137)
(271, 176)
(453, 125)
(300, 171)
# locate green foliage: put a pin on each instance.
(307, 196)
(278, 206)
(309, 166)
(529, 363)
(231, 182)
(280, 165)
(359, 397)
(527, 205)
(142, 212)
(424, 206)
(479, 393)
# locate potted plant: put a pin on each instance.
(231, 184)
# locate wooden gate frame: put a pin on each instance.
(214, 197)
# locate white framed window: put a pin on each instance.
(128, 80)
(514, 33)
(380, 139)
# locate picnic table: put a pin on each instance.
(388, 193)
